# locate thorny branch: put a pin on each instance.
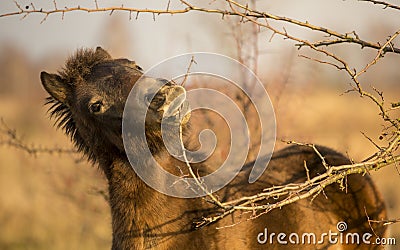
(386, 222)
(261, 203)
(340, 64)
(291, 193)
(385, 4)
(244, 12)
(214, 200)
(10, 137)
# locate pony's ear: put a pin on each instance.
(102, 53)
(55, 86)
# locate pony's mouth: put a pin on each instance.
(176, 107)
(172, 106)
(180, 113)
(175, 97)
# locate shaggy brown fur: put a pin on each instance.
(88, 98)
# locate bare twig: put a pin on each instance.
(386, 222)
(315, 150)
(9, 137)
(385, 4)
(199, 183)
(371, 141)
(380, 54)
(188, 71)
(323, 62)
(369, 222)
(307, 171)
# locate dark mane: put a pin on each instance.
(63, 119)
(77, 68)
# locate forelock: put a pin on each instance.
(79, 66)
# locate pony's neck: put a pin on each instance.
(129, 199)
(142, 217)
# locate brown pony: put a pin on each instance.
(88, 97)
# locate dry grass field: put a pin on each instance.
(54, 201)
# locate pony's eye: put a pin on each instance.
(95, 107)
(138, 67)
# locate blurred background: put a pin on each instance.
(55, 200)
